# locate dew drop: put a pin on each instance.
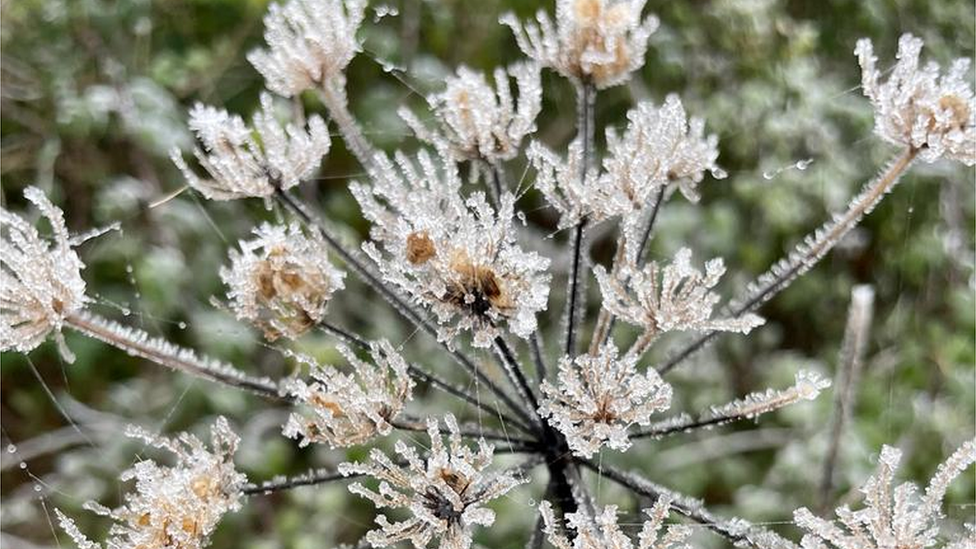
(37, 487)
(128, 268)
(181, 325)
(11, 449)
(23, 465)
(531, 502)
(126, 311)
(521, 218)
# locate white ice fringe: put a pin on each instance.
(603, 531)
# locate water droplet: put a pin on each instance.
(769, 175)
(128, 268)
(126, 311)
(521, 217)
(37, 487)
(23, 465)
(11, 449)
(531, 502)
(181, 325)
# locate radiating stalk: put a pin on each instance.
(335, 101)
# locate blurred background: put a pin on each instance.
(95, 92)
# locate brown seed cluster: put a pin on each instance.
(420, 248)
(477, 288)
(288, 292)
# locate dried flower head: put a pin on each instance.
(573, 197)
(677, 297)
(455, 255)
(598, 41)
(919, 108)
(893, 517)
(281, 281)
(40, 282)
(478, 122)
(660, 146)
(445, 491)
(599, 397)
(348, 409)
(603, 531)
(174, 507)
(309, 42)
(243, 162)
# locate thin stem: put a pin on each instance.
(810, 251)
(736, 530)
(537, 356)
(649, 227)
(162, 352)
(412, 424)
(316, 476)
(336, 102)
(585, 103)
(398, 302)
(514, 373)
(684, 425)
(848, 369)
(425, 377)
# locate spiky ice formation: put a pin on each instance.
(603, 530)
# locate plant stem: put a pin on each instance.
(514, 373)
(585, 103)
(316, 476)
(138, 343)
(810, 251)
(335, 101)
(487, 434)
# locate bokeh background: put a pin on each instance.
(95, 92)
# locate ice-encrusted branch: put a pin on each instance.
(310, 478)
(807, 386)
(138, 343)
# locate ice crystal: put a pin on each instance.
(599, 397)
(175, 507)
(281, 281)
(478, 122)
(675, 297)
(455, 255)
(603, 531)
(40, 281)
(807, 386)
(444, 492)
(244, 162)
(661, 146)
(893, 517)
(919, 108)
(598, 41)
(345, 409)
(309, 42)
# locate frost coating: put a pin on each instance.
(309, 42)
(40, 282)
(919, 108)
(243, 162)
(599, 397)
(893, 517)
(456, 256)
(603, 531)
(675, 297)
(806, 387)
(348, 409)
(478, 122)
(174, 507)
(281, 281)
(661, 146)
(598, 41)
(444, 491)
(575, 198)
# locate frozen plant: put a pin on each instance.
(599, 397)
(457, 256)
(477, 122)
(247, 162)
(309, 42)
(346, 409)
(603, 531)
(444, 491)
(894, 516)
(173, 507)
(592, 41)
(448, 256)
(919, 108)
(40, 282)
(281, 281)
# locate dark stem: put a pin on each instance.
(537, 356)
(649, 228)
(522, 444)
(573, 307)
(515, 375)
(317, 476)
(398, 302)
